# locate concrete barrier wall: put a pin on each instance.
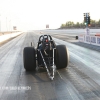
(95, 40)
(8, 36)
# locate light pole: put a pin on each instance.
(87, 22)
(6, 24)
(9, 25)
(0, 23)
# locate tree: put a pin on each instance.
(63, 25)
(99, 21)
(70, 24)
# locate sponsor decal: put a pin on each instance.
(98, 40)
(87, 38)
(93, 39)
(81, 38)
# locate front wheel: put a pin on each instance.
(62, 56)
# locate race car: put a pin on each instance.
(47, 55)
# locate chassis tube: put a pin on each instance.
(53, 67)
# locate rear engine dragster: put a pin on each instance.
(47, 55)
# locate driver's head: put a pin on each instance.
(46, 40)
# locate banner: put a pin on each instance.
(14, 28)
(95, 40)
(98, 40)
(87, 39)
(47, 26)
(81, 38)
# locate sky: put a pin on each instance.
(35, 14)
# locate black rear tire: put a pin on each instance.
(29, 59)
(62, 56)
(76, 37)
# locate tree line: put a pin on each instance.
(71, 24)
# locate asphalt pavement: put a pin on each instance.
(70, 31)
(79, 81)
(72, 39)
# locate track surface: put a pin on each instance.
(79, 81)
(71, 31)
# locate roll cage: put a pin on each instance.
(46, 38)
(45, 54)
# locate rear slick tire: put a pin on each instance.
(29, 59)
(62, 56)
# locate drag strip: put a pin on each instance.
(79, 81)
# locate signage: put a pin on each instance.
(93, 39)
(87, 38)
(47, 26)
(87, 31)
(98, 40)
(81, 38)
(14, 28)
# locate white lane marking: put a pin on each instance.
(69, 89)
(59, 75)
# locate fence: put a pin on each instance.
(95, 40)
